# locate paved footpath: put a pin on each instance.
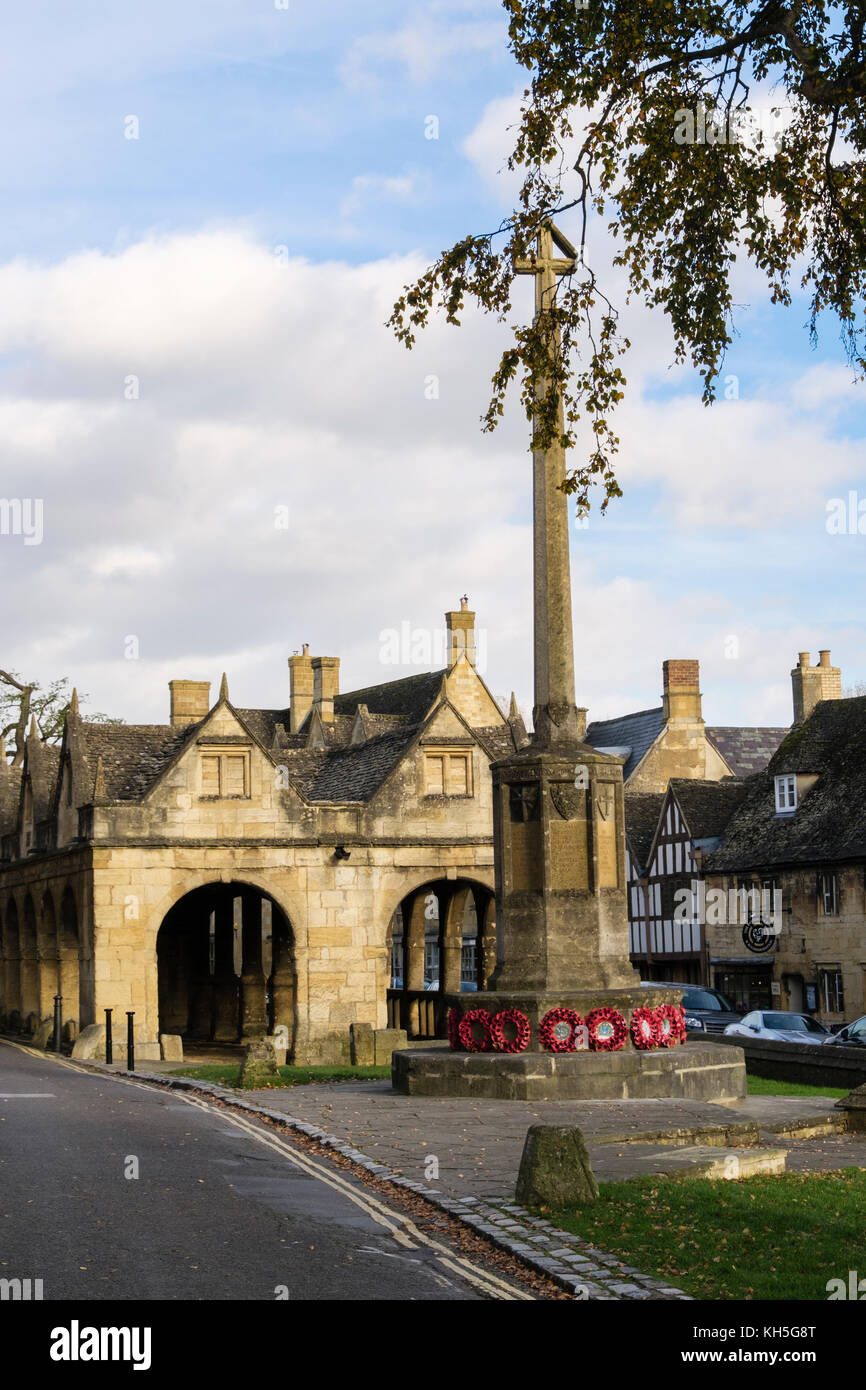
(477, 1145)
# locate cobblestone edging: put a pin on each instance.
(573, 1264)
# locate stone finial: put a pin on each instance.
(33, 731)
(73, 703)
(99, 790)
(513, 711)
(464, 603)
(224, 688)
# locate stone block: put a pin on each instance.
(386, 1042)
(363, 1045)
(171, 1047)
(44, 1035)
(555, 1169)
(90, 1044)
(259, 1065)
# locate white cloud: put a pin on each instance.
(424, 47)
(272, 384)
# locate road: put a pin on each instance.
(221, 1207)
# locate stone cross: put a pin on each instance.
(555, 716)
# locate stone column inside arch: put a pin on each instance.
(254, 1014)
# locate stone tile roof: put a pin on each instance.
(642, 811)
(262, 724)
(410, 697)
(708, 807)
(350, 773)
(829, 826)
(133, 755)
(635, 731)
(497, 739)
(746, 751)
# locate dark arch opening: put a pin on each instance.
(226, 966)
(442, 941)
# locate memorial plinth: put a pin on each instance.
(566, 1016)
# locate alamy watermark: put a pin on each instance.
(740, 907)
(22, 516)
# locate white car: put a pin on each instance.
(777, 1026)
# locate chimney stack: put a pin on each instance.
(461, 632)
(326, 685)
(681, 697)
(300, 688)
(190, 702)
(811, 684)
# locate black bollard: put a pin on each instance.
(58, 1020)
(108, 1051)
(130, 1043)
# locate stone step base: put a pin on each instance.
(697, 1161)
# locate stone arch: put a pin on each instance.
(225, 958)
(12, 964)
(69, 961)
(29, 963)
(442, 943)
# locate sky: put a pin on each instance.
(222, 453)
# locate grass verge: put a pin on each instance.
(762, 1238)
(761, 1086)
(226, 1074)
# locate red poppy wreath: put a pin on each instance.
(470, 1024)
(667, 1025)
(607, 1030)
(510, 1031)
(558, 1030)
(644, 1029)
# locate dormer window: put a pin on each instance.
(786, 794)
(225, 776)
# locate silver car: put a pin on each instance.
(777, 1026)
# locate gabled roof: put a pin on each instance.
(829, 826)
(634, 731)
(707, 807)
(642, 811)
(746, 751)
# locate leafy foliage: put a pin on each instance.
(681, 209)
(21, 701)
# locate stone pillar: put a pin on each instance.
(282, 982)
(29, 983)
(225, 981)
(486, 948)
(49, 982)
(67, 971)
(414, 923)
(254, 1016)
(452, 908)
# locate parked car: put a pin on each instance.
(779, 1026)
(852, 1035)
(707, 1010)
